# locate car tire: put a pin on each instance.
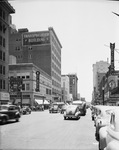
(99, 145)
(65, 118)
(17, 119)
(4, 120)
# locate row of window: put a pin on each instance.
(2, 69)
(2, 41)
(48, 91)
(56, 68)
(2, 84)
(2, 55)
(55, 92)
(56, 53)
(56, 84)
(23, 77)
(56, 76)
(56, 45)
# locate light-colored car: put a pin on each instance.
(112, 138)
(72, 112)
(106, 133)
(102, 118)
(94, 111)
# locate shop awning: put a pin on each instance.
(46, 102)
(24, 101)
(39, 101)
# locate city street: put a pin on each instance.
(44, 130)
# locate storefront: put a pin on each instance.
(4, 97)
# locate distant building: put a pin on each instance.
(73, 82)
(41, 48)
(78, 96)
(65, 88)
(5, 20)
(30, 96)
(99, 71)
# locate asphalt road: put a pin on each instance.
(42, 130)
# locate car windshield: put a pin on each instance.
(3, 108)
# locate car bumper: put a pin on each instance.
(71, 116)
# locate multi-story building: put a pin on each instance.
(65, 88)
(42, 48)
(5, 20)
(33, 90)
(99, 70)
(73, 82)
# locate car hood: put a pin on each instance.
(71, 110)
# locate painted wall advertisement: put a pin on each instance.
(36, 38)
(113, 86)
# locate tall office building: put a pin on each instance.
(99, 70)
(5, 20)
(73, 82)
(41, 48)
(65, 88)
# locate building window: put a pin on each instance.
(0, 26)
(0, 84)
(0, 12)
(27, 77)
(3, 42)
(27, 86)
(4, 70)
(3, 15)
(0, 69)
(23, 77)
(23, 87)
(3, 56)
(3, 84)
(0, 55)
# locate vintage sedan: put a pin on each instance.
(102, 118)
(72, 112)
(112, 138)
(9, 112)
(108, 133)
(54, 108)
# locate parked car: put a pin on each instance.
(112, 138)
(102, 118)
(9, 112)
(54, 109)
(82, 106)
(72, 111)
(63, 108)
(26, 110)
(110, 133)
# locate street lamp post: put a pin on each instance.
(103, 95)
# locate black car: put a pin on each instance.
(9, 112)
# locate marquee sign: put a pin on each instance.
(36, 38)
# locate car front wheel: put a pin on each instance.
(17, 119)
(65, 118)
(4, 120)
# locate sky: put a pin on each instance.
(85, 29)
